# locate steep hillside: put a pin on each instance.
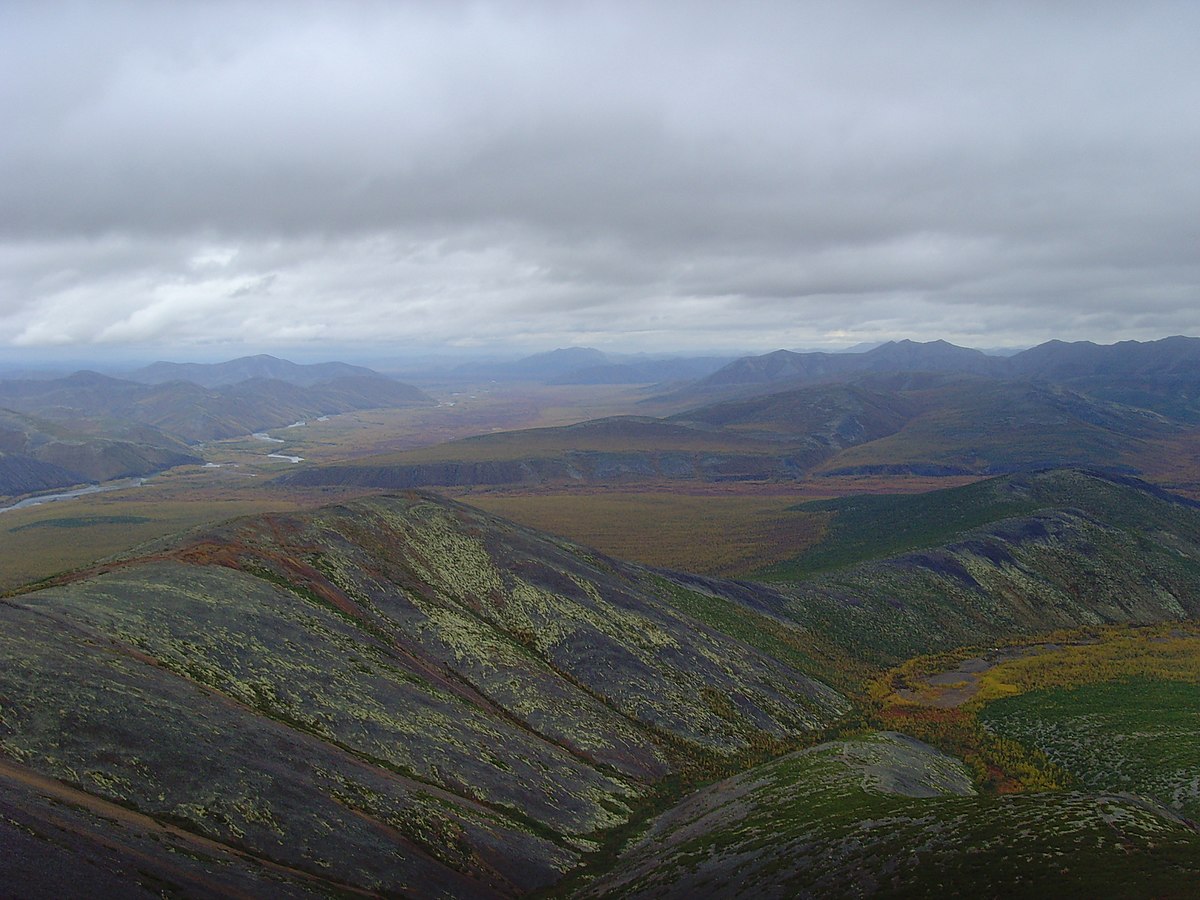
(901, 576)
(403, 694)
(396, 692)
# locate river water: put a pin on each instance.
(78, 492)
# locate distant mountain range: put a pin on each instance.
(586, 365)
(713, 376)
(902, 408)
(784, 366)
(234, 371)
(651, 371)
(1055, 360)
(91, 427)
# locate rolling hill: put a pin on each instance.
(400, 691)
(898, 576)
(623, 448)
(884, 815)
(403, 694)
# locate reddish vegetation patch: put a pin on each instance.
(1173, 463)
(206, 553)
(1000, 766)
(284, 564)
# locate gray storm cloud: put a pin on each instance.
(642, 175)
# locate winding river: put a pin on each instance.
(78, 492)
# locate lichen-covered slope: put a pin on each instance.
(395, 693)
(406, 695)
(1055, 549)
(888, 815)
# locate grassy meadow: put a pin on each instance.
(711, 535)
(731, 530)
(1136, 734)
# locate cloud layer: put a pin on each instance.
(643, 176)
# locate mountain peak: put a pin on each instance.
(244, 368)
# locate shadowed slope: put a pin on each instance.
(395, 692)
(1014, 555)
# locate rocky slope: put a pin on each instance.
(392, 693)
(404, 695)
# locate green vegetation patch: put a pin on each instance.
(725, 535)
(784, 641)
(874, 526)
(1045, 715)
(82, 522)
(1140, 735)
(887, 814)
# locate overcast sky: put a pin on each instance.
(225, 177)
